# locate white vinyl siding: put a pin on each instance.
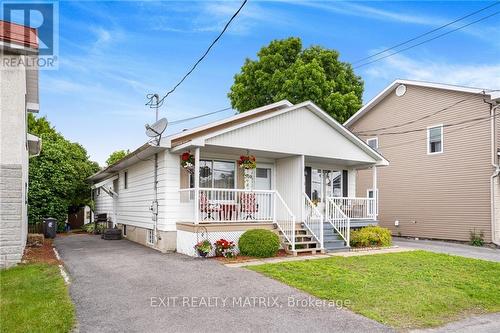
(290, 183)
(133, 204)
(104, 202)
(291, 133)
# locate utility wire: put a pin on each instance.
(427, 40)
(199, 116)
(425, 129)
(451, 131)
(415, 120)
(160, 102)
(427, 33)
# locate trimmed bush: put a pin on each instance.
(259, 243)
(371, 236)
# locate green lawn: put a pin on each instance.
(34, 298)
(403, 290)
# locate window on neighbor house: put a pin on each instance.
(373, 143)
(435, 139)
(125, 180)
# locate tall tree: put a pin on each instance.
(116, 156)
(284, 70)
(57, 177)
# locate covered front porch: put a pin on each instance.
(303, 181)
(285, 192)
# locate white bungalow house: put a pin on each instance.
(302, 188)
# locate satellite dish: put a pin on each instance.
(157, 128)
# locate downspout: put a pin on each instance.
(155, 200)
(496, 170)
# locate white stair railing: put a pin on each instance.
(340, 221)
(284, 219)
(357, 208)
(313, 219)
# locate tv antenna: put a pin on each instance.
(156, 129)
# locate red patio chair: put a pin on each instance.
(249, 205)
(207, 207)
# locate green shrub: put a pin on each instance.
(476, 239)
(371, 236)
(90, 228)
(259, 243)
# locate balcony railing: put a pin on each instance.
(357, 208)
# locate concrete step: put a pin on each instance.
(334, 245)
(331, 237)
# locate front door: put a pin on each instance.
(263, 181)
(263, 175)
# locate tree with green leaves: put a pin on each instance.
(285, 70)
(116, 156)
(57, 177)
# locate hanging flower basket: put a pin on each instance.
(187, 161)
(247, 162)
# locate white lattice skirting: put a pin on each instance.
(187, 240)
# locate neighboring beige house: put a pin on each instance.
(18, 95)
(303, 187)
(442, 142)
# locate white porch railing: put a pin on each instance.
(340, 221)
(235, 205)
(313, 219)
(357, 208)
(284, 219)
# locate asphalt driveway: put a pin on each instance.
(120, 286)
(464, 250)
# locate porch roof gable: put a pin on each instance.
(290, 131)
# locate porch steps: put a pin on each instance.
(331, 239)
(304, 242)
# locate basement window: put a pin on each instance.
(435, 139)
(150, 239)
(124, 230)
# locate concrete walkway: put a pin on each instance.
(255, 262)
(484, 253)
(120, 286)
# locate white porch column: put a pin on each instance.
(197, 185)
(375, 188)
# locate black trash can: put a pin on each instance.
(49, 227)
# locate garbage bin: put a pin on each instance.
(49, 227)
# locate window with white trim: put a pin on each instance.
(125, 180)
(150, 237)
(435, 139)
(373, 143)
(216, 174)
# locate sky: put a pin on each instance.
(113, 53)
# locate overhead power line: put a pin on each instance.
(413, 121)
(199, 116)
(425, 129)
(449, 132)
(151, 98)
(427, 33)
(427, 40)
